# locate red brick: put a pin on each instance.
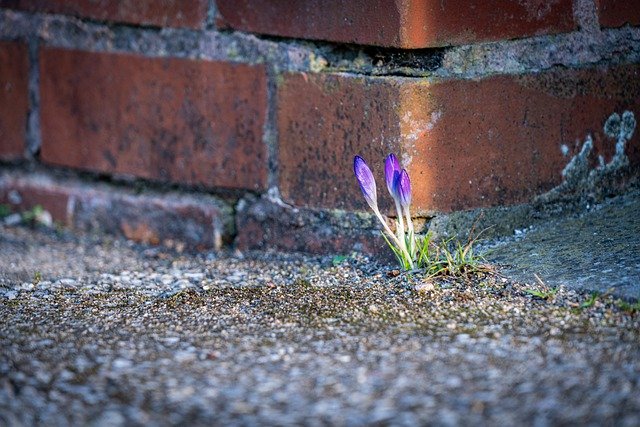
(466, 144)
(154, 219)
(14, 99)
(151, 218)
(23, 195)
(404, 24)
(263, 224)
(186, 121)
(163, 13)
(616, 13)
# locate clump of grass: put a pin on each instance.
(32, 214)
(338, 259)
(545, 293)
(341, 259)
(590, 301)
(630, 307)
(449, 257)
(542, 294)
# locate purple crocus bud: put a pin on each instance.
(403, 188)
(366, 181)
(391, 171)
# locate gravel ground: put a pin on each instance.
(107, 333)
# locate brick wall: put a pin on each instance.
(236, 122)
(14, 104)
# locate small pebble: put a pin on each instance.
(425, 287)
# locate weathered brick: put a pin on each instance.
(616, 13)
(163, 13)
(177, 120)
(404, 24)
(14, 99)
(23, 195)
(155, 219)
(265, 224)
(151, 218)
(466, 143)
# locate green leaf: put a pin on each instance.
(339, 259)
(5, 210)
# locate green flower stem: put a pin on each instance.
(394, 238)
(412, 236)
(401, 231)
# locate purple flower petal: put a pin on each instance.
(366, 181)
(403, 187)
(391, 171)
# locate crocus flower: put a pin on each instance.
(397, 185)
(391, 171)
(366, 181)
(403, 189)
(393, 174)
